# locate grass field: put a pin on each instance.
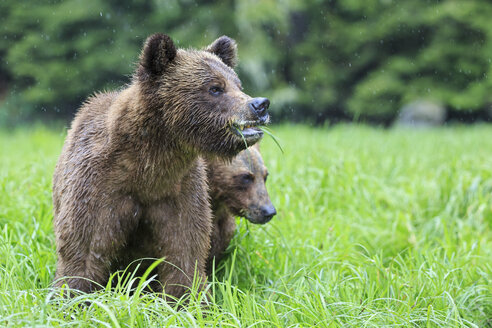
(374, 228)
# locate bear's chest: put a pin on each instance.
(161, 182)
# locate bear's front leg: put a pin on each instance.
(181, 235)
(223, 228)
(90, 235)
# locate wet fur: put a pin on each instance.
(131, 183)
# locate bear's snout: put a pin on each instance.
(259, 107)
(260, 214)
(267, 213)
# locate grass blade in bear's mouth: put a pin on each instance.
(248, 131)
(252, 131)
(248, 135)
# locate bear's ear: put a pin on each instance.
(226, 49)
(157, 53)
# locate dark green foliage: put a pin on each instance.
(316, 60)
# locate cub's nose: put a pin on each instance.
(259, 106)
(268, 212)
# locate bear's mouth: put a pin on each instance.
(248, 130)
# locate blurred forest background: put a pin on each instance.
(317, 61)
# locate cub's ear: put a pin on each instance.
(226, 49)
(157, 53)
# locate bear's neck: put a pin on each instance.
(151, 157)
(220, 211)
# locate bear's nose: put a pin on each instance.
(259, 106)
(268, 212)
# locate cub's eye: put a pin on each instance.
(216, 91)
(246, 179)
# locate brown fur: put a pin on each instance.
(130, 182)
(237, 188)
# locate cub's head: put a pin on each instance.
(199, 97)
(240, 186)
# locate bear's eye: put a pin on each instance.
(246, 179)
(215, 91)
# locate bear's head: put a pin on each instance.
(240, 186)
(199, 97)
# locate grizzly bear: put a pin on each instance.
(131, 183)
(237, 188)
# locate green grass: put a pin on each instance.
(374, 228)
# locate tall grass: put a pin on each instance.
(374, 228)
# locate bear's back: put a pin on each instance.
(85, 140)
(91, 119)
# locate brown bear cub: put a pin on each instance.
(237, 188)
(131, 183)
